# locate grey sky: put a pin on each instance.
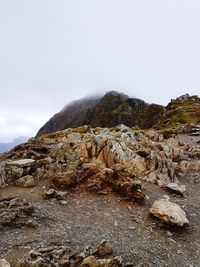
(54, 51)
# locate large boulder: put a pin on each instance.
(169, 212)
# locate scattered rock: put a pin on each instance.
(25, 181)
(178, 189)
(52, 193)
(169, 212)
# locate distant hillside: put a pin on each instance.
(4, 147)
(110, 110)
(183, 110)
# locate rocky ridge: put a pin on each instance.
(110, 110)
(100, 158)
(119, 161)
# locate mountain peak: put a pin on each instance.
(110, 110)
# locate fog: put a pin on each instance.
(53, 52)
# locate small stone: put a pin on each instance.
(63, 202)
(169, 234)
(132, 228)
(116, 224)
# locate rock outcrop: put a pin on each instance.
(181, 114)
(16, 212)
(64, 256)
(116, 159)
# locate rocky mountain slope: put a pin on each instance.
(116, 108)
(110, 110)
(182, 111)
(133, 192)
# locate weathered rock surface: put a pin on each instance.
(178, 189)
(64, 256)
(16, 212)
(169, 212)
(91, 261)
(117, 159)
(4, 263)
(22, 162)
(26, 181)
(52, 193)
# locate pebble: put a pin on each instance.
(132, 228)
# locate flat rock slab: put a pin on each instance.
(169, 212)
(22, 162)
(178, 189)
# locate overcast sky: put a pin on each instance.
(54, 51)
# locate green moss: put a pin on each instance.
(181, 111)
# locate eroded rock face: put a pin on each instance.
(169, 212)
(116, 158)
(17, 212)
(91, 261)
(64, 256)
(2, 176)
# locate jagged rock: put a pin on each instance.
(169, 212)
(102, 159)
(25, 181)
(15, 211)
(63, 256)
(52, 193)
(178, 189)
(104, 249)
(4, 263)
